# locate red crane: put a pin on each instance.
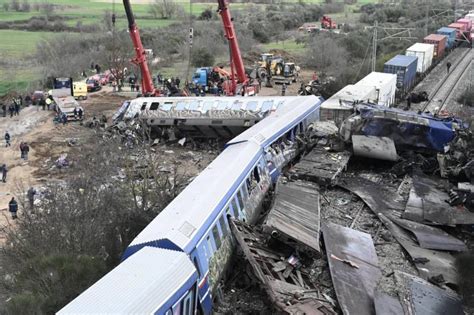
(140, 56)
(239, 82)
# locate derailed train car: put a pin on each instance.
(174, 266)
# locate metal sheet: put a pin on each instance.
(356, 276)
(420, 297)
(386, 304)
(435, 209)
(429, 263)
(381, 148)
(295, 215)
(430, 237)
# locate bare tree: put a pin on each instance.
(165, 9)
(81, 228)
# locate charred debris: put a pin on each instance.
(375, 217)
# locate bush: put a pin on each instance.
(202, 57)
(467, 98)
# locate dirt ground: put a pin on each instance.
(48, 141)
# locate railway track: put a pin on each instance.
(443, 91)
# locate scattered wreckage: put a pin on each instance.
(425, 215)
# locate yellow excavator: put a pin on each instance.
(272, 68)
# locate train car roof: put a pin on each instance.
(153, 275)
(278, 123)
(185, 220)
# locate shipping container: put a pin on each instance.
(467, 22)
(460, 29)
(451, 34)
(439, 41)
(424, 52)
(341, 105)
(405, 69)
(385, 87)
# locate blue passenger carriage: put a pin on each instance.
(195, 224)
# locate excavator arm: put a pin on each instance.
(140, 56)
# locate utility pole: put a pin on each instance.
(427, 17)
(374, 46)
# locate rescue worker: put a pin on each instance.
(408, 102)
(75, 113)
(283, 89)
(13, 208)
(26, 150)
(4, 173)
(79, 113)
(22, 150)
(7, 139)
(31, 197)
(448, 66)
(48, 102)
(42, 102)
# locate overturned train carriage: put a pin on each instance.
(198, 117)
(196, 223)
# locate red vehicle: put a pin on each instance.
(37, 96)
(140, 55)
(328, 23)
(93, 85)
(238, 83)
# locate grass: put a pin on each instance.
(288, 45)
(20, 43)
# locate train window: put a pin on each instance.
(194, 105)
(245, 191)
(207, 106)
(166, 106)
(301, 127)
(143, 106)
(188, 303)
(227, 211)
(256, 174)
(266, 106)
(251, 106)
(235, 209)
(248, 184)
(197, 267)
(224, 226)
(210, 247)
(217, 237)
(223, 105)
(240, 200)
(154, 106)
(181, 106)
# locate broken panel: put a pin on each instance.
(285, 280)
(294, 217)
(386, 304)
(422, 298)
(354, 268)
(321, 166)
(381, 148)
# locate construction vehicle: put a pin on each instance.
(274, 68)
(62, 94)
(235, 82)
(140, 53)
(288, 75)
(327, 23)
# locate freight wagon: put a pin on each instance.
(439, 41)
(385, 87)
(405, 69)
(425, 53)
(341, 105)
(451, 36)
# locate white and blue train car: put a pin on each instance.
(195, 224)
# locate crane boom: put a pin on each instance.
(237, 64)
(140, 57)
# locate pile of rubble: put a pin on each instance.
(364, 236)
